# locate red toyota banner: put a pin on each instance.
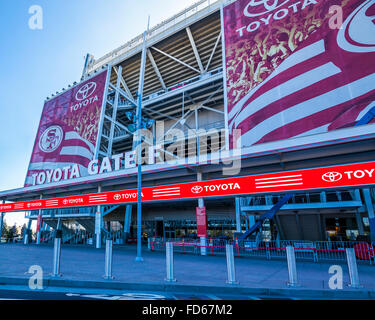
(201, 222)
(39, 223)
(352, 175)
(292, 69)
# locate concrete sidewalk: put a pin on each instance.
(84, 266)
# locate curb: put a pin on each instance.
(230, 289)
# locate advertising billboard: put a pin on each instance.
(298, 68)
(67, 135)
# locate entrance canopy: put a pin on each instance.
(343, 176)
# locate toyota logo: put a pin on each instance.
(117, 197)
(86, 91)
(332, 176)
(269, 5)
(196, 189)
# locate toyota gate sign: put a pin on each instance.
(68, 130)
(290, 73)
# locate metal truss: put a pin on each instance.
(187, 82)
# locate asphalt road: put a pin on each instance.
(24, 293)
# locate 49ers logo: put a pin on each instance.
(358, 30)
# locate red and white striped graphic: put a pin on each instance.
(279, 181)
(52, 203)
(327, 83)
(98, 198)
(19, 206)
(166, 192)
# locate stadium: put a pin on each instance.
(257, 121)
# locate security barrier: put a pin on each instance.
(304, 250)
(351, 252)
(169, 262)
(108, 260)
(56, 257)
(292, 268)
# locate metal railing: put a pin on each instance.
(304, 250)
(83, 211)
(11, 239)
(308, 197)
(74, 237)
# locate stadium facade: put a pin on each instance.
(291, 91)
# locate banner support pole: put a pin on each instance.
(139, 155)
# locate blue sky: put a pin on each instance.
(36, 63)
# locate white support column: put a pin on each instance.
(196, 134)
(370, 212)
(238, 214)
(127, 220)
(38, 237)
(98, 224)
(59, 224)
(40, 227)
